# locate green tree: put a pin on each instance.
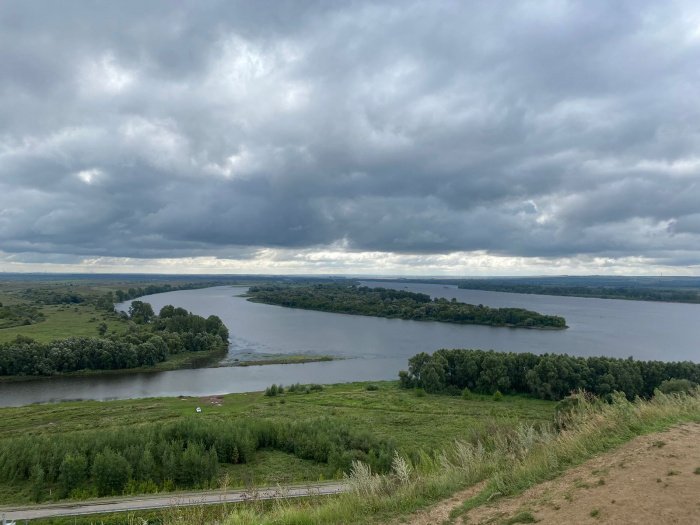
(73, 472)
(110, 472)
(140, 312)
(37, 479)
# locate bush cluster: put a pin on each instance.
(182, 454)
(19, 315)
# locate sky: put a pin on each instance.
(383, 138)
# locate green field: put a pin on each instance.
(66, 321)
(412, 422)
(61, 320)
(516, 459)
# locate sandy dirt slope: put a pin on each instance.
(652, 480)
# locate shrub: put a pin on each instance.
(110, 471)
(676, 386)
(372, 388)
(272, 391)
(73, 472)
(497, 396)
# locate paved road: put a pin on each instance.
(171, 500)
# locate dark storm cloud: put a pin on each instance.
(164, 129)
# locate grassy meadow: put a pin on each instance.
(60, 320)
(412, 422)
(505, 463)
(80, 320)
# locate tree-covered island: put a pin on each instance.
(149, 339)
(397, 304)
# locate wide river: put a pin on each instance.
(374, 349)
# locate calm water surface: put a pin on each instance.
(375, 349)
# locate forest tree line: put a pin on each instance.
(384, 302)
(181, 454)
(149, 340)
(604, 292)
(106, 301)
(547, 376)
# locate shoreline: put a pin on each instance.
(188, 361)
(184, 361)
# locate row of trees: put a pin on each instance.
(149, 341)
(140, 291)
(106, 301)
(547, 376)
(52, 296)
(182, 454)
(604, 292)
(383, 302)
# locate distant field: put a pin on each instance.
(412, 422)
(61, 320)
(65, 321)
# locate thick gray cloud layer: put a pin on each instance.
(173, 129)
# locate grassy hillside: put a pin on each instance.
(512, 463)
(411, 422)
(506, 463)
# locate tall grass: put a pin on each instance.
(509, 462)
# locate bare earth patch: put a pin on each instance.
(654, 479)
(441, 512)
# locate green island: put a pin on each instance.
(46, 309)
(71, 328)
(149, 340)
(669, 289)
(279, 359)
(396, 304)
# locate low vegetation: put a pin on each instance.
(305, 433)
(548, 376)
(503, 464)
(507, 464)
(181, 454)
(19, 315)
(384, 302)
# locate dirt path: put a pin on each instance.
(654, 479)
(439, 513)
